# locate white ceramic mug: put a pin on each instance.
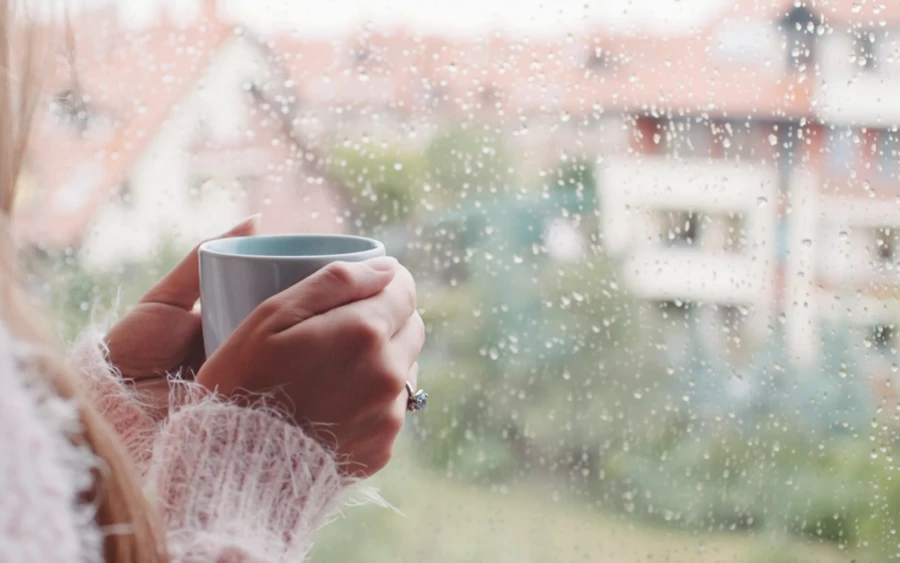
(238, 274)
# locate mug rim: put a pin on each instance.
(210, 247)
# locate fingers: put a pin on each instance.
(407, 343)
(398, 409)
(334, 286)
(383, 315)
(398, 302)
(181, 287)
(389, 423)
(413, 378)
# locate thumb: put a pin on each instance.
(181, 287)
(335, 285)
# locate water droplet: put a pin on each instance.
(773, 139)
(868, 188)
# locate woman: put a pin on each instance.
(97, 468)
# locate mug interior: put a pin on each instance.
(291, 245)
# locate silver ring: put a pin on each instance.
(416, 400)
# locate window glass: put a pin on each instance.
(841, 153)
(655, 244)
(889, 153)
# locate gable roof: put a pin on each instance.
(132, 80)
(135, 78)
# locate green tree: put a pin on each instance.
(386, 183)
(533, 355)
(76, 297)
(468, 161)
(575, 183)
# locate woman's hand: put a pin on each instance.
(163, 334)
(338, 348)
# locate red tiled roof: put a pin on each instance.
(136, 78)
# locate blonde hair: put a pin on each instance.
(116, 493)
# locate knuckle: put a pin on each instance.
(268, 309)
(389, 382)
(366, 331)
(338, 273)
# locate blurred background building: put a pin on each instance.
(749, 163)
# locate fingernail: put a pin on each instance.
(250, 221)
(383, 263)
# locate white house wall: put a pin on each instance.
(801, 295)
(162, 207)
(848, 253)
(852, 95)
(636, 190)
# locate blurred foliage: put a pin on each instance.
(468, 161)
(389, 184)
(444, 519)
(93, 297)
(385, 183)
(575, 179)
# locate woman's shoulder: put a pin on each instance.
(43, 473)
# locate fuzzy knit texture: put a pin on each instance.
(232, 483)
(42, 473)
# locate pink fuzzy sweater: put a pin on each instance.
(233, 484)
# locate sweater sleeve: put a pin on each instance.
(44, 474)
(120, 404)
(233, 483)
(237, 484)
